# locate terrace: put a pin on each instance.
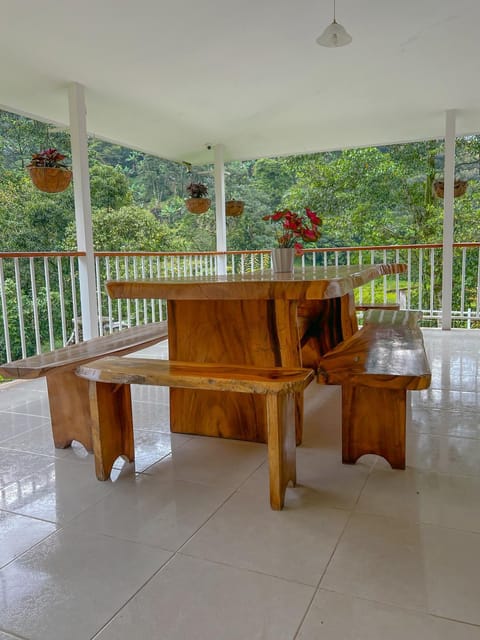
(184, 544)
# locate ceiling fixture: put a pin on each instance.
(334, 35)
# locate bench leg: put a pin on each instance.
(112, 428)
(69, 410)
(281, 409)
(373, 421)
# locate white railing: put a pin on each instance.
(40, 299)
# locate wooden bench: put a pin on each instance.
(68, 394)
(110, 380)
(393, 317)
(376, 367)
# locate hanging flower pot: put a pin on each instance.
(48, 173)
(234, 207)
(49, 179)
(198, 203)
(459, 188)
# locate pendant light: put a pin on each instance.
(334, 35)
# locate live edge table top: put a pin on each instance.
(260, 319)
(311, 283)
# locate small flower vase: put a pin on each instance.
(282, 260)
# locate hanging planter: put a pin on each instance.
(234, 207)
(48, 173)
(198, 203)
(459, 188)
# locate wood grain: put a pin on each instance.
(376, 367)
(254, 319)
(277, 389)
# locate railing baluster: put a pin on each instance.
(432, 282)
(99, 296)
(61, 293)
(73, 285)
(36, 323)
(21, 320)
(49, 303)
(109, 300)
(3, 297)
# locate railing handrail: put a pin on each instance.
(104, 254)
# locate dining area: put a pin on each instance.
(190, 545)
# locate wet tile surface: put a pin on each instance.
(359, 552)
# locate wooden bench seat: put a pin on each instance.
(68, 394)
(393, 317)
(376, 367)
(110, 380)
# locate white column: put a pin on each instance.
(449, 178)
(221, 224)
(83, 209)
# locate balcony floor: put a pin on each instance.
(187, 548)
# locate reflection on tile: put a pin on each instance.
(335, 616)
(154, 417)
(14, 424)
(57, 491)
(380, 559)
(457, 456)
(212, 461)
(153, 446)
(37, 440)
(15, 466)
(70, 585)
(19, 533)
(446, 400)
(419, 496)
(400, 549)
(192, 598)
(452, 567)
(152, 511)
(445, 423)
(294, 544)
(337, 485)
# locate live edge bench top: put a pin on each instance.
(381, 352)
(189, 375)
(120, 342)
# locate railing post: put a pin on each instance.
(220, 209)
(83, 210)
(449, 178)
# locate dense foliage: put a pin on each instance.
(371, 196)
(364, 196)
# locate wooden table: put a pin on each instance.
(257, 319)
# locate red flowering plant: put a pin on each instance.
(48, 158)
(296, 228)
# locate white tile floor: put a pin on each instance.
(187, 547)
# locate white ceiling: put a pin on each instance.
(171, 76)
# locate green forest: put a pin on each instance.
(369, 196)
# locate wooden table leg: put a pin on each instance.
(253, 332)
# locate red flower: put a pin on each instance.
(295, 228)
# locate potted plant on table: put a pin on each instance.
(295, 229)
(48, 172)
(197, 203)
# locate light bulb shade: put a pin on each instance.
(334, 36)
